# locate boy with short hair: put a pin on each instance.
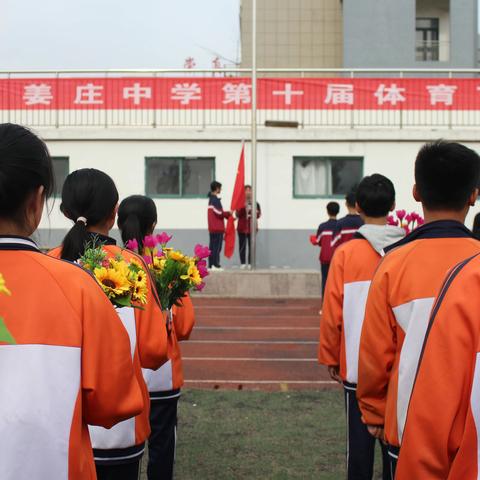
(216, 224)
(351, 272)
(349, 224)
(324, 239)
(405, 285)
(244, 216)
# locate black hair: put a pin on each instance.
(351, 199)
(215, 186)
(333, 208)
(87, 193)
(476, 226)
(248, 186)
(136, 216)
(446, 174)
(376, 195)
(25, 165)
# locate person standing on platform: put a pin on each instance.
(244, 226)
(349, 224)
(324, 239)
(216, 224)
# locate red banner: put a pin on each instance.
(235, 93)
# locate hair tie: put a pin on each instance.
(82, 219)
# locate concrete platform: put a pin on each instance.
(273, 283)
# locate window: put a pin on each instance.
(183, 177)
(325, 176)
(60, 172)
(427, 39)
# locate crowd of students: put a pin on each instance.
(400, 326)
(83, 386)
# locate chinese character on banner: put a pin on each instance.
(392, 94)
(89, 94)
(288, 93)
(137, 92)
(338, 94)
(237, 93)
(37, 94)
(186, 92)
(189, 63)
(216, 63)
(441, 93)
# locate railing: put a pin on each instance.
(432, 51)
(306, 98)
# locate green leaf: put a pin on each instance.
(123, 301)
(5, 335)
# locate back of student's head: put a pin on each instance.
(446, 175)
(137, 216)
(376, 195)
(89, 197)
(350, 199)
(333, 208)
(25, 166)
(214, 187)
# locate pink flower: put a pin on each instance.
(160, 253)
(202, 269)
(401, 214)
(409, 218)
(392, 221)
(163, 238)
(132, 245)
(420, 221)
(105, 263)
(201, 251)
(407, 229)
(147, 259)
(200, 287)
(150, 241)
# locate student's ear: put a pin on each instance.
(393, 207)
(473, 198)
(113, 216)
(416, 194)
(358, 209)
(34, 208)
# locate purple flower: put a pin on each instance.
(401, 214)
(163, 238)
(200, 287)
(202, 269)
(150, 241)
(160, 253)
(132, 245)
(201, 251)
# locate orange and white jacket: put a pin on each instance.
(351, 272)
(69, 365)
(166, 382)
(149, 349)
(441, 439)
(396, 318)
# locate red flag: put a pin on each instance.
(238, 202)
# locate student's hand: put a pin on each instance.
(334, 372)
(375, 431)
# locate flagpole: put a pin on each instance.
(253, 229)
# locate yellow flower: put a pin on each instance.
(159, 263)
(176, 256)
(3, 287)
(140, 292)
(113, 282)
(193, 275)
(120, 266)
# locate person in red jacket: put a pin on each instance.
(216, 224)
(244, 226)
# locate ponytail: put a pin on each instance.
(89, 197)
(137, 216)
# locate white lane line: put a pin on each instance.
(257, 328)
(256, 307)
(248, 359)
(254, 382)
(254, 342)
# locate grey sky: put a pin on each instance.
(59, 34)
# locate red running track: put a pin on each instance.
(263, 344)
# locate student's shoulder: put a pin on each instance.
(355, 248)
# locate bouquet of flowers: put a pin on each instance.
(124, 283)
(408, 221)
(174, 273)
(5, 335)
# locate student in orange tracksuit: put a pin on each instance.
(90, 199)
(351, 272)
(441, 436)
(405, 285)
(64, 356)
(137, 218)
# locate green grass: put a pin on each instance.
(229, 435)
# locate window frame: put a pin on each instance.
(329, 157)
(428, 46)
(180, 195)
(59, 157)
